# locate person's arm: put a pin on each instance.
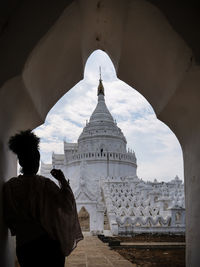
(59, 176)
(63, 195)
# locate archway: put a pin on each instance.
(84, 219)
(76, 105)
(139, 39)
(106, 221)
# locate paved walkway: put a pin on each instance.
(91, 252)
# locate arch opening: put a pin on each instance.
(84, 219)
(140, 197)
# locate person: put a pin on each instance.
(41, 215)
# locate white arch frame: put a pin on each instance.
(162, 71)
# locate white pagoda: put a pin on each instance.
(102, 174)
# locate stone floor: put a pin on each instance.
(91, 252)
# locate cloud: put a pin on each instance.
(157, 149)
(57, 129)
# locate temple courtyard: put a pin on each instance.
(138, 251)
(143, 252)
(92, 252)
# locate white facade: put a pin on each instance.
(102, 174)
(135, 206)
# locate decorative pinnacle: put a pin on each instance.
(100, 87)
(100, 73)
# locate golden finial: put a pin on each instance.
(100, 87)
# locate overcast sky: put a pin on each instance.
(157, 149)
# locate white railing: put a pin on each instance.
(128, 157)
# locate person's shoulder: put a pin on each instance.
(10, 181)
(40, 179)
(9, 184)
(44, 179)
(48, 183)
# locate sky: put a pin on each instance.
(158, 152)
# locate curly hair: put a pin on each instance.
(23, 141)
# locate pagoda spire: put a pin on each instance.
(100, 87)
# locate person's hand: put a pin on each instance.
(57, 174)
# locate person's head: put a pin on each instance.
(26, 145)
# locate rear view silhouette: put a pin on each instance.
(41, 215)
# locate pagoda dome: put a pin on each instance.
(101, 122)
(101, 112)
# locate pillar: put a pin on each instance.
(192, 198)
(7, 169)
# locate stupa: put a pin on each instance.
(103, 176)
